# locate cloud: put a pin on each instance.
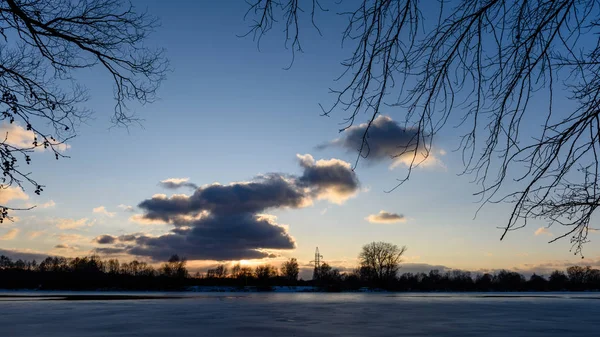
(105, 239)
(103, 210)
(388, 141)
(543, 231)
(35, 234)
(70, 238)
(422, 159)
(126, 208)
(25, 255)
(264, 192)
(73, 224)
(385, 217)
(120, 243)
(223, 237)
(18, 136)
(143, 220)
(10, 235)
(108, 250)
(421, 268)
(12, 193)
(48, 204)
(66, 247)
(175, 183)
(228, 222)
(331, 179)
(127, 237)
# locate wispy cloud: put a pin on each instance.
(18, 136)
(48, 204)
(175, 183)
(103, 210)
(71, 238)
(35, 234)
(10, 235)
(385, 217)
(12, 193)
(543, 231)
(126, 208)
(73, 223)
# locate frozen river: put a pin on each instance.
(303, 314)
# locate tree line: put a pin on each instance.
(378, 268)
(91, 273)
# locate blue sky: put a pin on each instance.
(228, 112)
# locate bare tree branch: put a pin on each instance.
(45, 42)
(481, 63)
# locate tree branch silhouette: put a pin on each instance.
(481, 63)
(44, 44)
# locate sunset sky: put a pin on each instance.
(235, 162)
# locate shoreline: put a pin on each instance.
(226, 292)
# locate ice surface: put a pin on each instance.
(307, 314)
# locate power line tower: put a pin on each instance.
(317, 261)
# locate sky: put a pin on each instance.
(235, 162)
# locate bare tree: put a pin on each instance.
(113, 266)
(175, 267)
(380, 261)
(290, 270)
(221, 271)
(265, 272)
(42, 46)
(480, 63)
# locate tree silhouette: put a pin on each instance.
(92, 273)
(43, 46)
(380, 262)
(265, 274)
(220, 271)
(175, 267)
(477, 65)
(290, 270)
(558, 280)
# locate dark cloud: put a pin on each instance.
(105, 239)
(26, 256)
(330, 179)
(386, 139)
(264, 192)
(226, 222)
(385, 217)
(222, 237)
(126, 238)
(110, 250)
(159, 207)
(175, 183)
(421, 268)
(65, 246)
